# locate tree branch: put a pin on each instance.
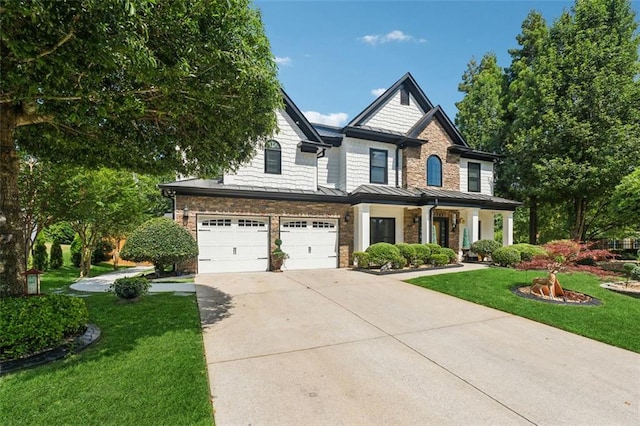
(62, 41)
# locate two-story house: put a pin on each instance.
(398, 172)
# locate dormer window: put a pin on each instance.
(473, 183)
(404, 96)
(272, 158)
(434, 171)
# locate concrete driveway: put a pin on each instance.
(329, 347)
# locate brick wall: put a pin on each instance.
(414, 170)
(274, 210)
(411, 230)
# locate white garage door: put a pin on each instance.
(310, 243)
(233, 244)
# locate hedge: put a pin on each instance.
(381, 254)
(506, 256)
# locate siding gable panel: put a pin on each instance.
(396, 117)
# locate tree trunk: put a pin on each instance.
(533, 220)
(85, 262)
(12, 242)
(580, 219)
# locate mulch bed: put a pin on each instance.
(570, 297)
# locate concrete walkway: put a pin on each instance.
(329, 347)
(101, 283)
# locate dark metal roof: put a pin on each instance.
(330, 134)
(444, 120)
(406, 81)
(474, 154)
(298, 117)
(380, 135)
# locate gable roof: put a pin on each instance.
(438, 114)
(406, 81)
(301, 121)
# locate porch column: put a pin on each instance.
(362, 227)
(507, 228)
(474, 230)
(426, 224)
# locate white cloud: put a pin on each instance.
(283, 60)
(378, 92)
(337, 119)
(393, 36)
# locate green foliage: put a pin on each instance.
(33, 324)
(439, 259)
(422, 252)
(625, 201)
(361, 259)
(55, 260)
(528, 251)
(506, 256)
(434, 248)
(381, 254)
(409, 253)
(130, 288)
(101, 252)
(450, 253)
(160, 241)
(76, 251)
(485, 248)
(62, 232)
(40, 257)
(635, 273)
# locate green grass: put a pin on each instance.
(614, 322)
(148, 368)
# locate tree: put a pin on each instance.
(182, 85)
(625, 201)
(480, 114)
(98, 203)
(40, 257)
(160, 241)
(56, 260)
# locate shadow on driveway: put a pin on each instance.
(214, 304)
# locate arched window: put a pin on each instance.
(272, 157)
(434, 171)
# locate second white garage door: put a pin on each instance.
(233, 244)
(310, 243)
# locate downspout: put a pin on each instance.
(397, 165)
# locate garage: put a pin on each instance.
(233, 244)
(310, 243)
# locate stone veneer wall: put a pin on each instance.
(274, 210)
(411, 230)
(414, 167)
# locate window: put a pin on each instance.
(434, 171)
(404, 96)
(377, 166)
(272, 158)
(383, 230)
(473, 177)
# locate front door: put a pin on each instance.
(383, 230)
(441, 227)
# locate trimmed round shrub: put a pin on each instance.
(76, 251)
(40, 256)
(485, 248)
(635, 273)
(102, 252)
(55, 257)
(439, 259)
(381, 254)
(130, 288)
(506, 256)
(409, 253)
(528, 251)
(160, 241)
(361, 259)
(33, 324)
(434, 248)
(422, 252)
(450, 253)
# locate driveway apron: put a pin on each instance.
(329, 347)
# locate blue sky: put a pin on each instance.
(333, 55)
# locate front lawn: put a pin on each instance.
(148, 368)
(614, 322)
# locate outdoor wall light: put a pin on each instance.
(416, 219)
(454, 221)
(185, 215)
(347, 216)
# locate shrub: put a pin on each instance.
(130, 288)
(485, 248)
(102, 252)
(506, 256)
(382, 253)
(450, 253)
(439, 259)
(76, 251)
(635, 273)
(434, 248)
(422, 252)
(33, 324)
(55, 259)
(361, 259)
(40, 257)
(409, 253)
(528, 251)
(160, 241)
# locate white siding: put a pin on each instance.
(299, 170)
(329, 168)
(357, 162)
(486, 176)
(395, 116)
